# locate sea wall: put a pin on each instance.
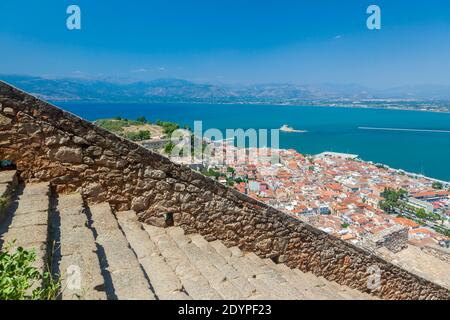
(48, 144)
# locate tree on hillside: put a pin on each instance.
(141, 119)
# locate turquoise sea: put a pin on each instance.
(329, 129)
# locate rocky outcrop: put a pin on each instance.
(50, 145)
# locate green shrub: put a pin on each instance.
(141, 119)
(168, 127)
(18, 276)
(115, 125)
(3, 202)
(169, 147)
(212, 173)
(138, 136)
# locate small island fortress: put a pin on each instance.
(286, 128)
(139, 226)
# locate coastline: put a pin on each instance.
(408, 173)
(250, 104)
(403, 129)
(300, 142)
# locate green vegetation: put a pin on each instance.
(240, 180)
(438, 186)
(230, 182)
(169, 148)
(168, 127)
(115, 125)
(421, 213)
(141, 120)
(392, 199)
(118, 124)
(212, 173)
(18, 276)
(442, 230)
(138, 136)
(3, 203)
(345, 225)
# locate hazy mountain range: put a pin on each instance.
(175, 90)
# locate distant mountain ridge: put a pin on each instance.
(176, 90)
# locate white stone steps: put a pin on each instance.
(317, 283)
(162, 278)
(8, 176)
(28, 225)
(195, 284)
(246, 268)
(128, 281)
(262, 290)
(309, 287)
(247, 290)
(333, 289)
(198, 258)
(318, 287)
(76, 250)
(345, 292)
(280, 286)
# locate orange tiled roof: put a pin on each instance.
(431, 193)
(406, 222)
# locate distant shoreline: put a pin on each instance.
(404, 129)
(257, 117)
(250, 104)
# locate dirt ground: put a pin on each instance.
(155, 131)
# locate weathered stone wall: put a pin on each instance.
(49, 144)
(395, 239)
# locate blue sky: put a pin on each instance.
(245, 41)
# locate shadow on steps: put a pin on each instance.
(109, 286)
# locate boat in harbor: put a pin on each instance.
(286, 128)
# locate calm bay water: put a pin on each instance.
(329, 129)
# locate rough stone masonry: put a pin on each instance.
(394, 238)
(48, 144)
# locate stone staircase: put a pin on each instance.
(102, 254)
